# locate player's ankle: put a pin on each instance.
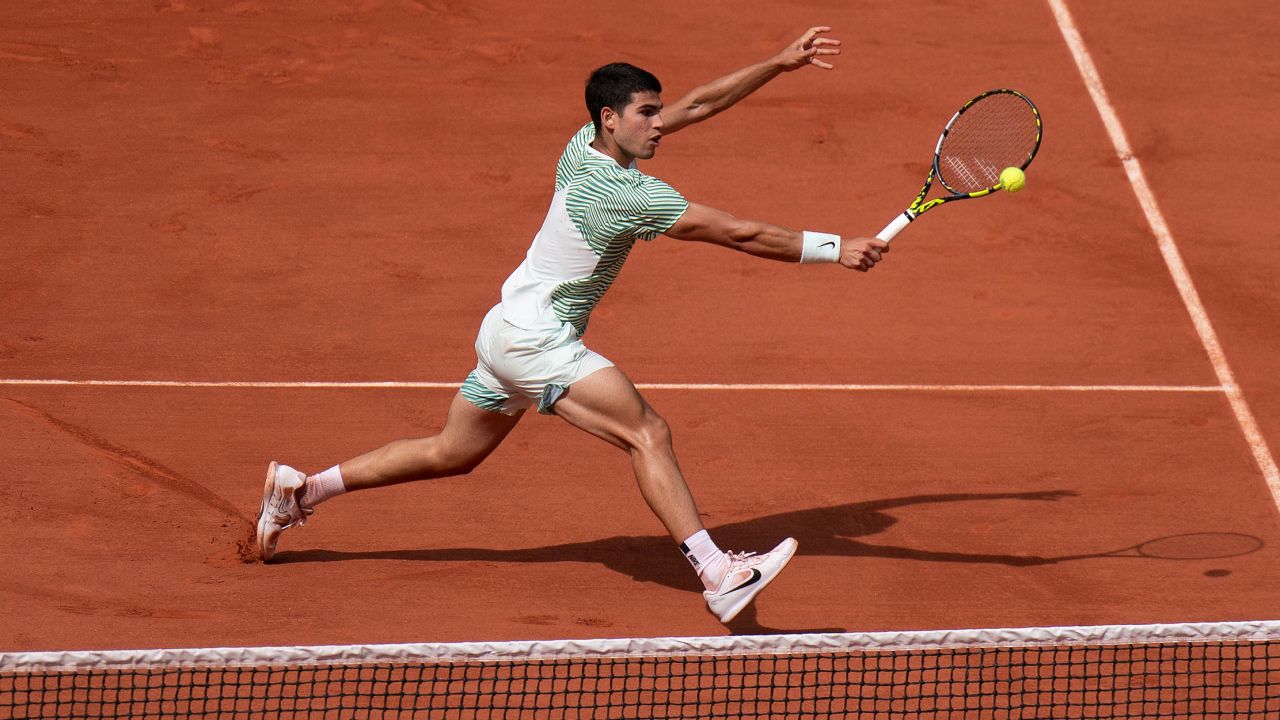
(321, 487)
(709, 561)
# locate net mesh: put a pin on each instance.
(1193, 671)
(998, 131)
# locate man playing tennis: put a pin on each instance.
(529, 348)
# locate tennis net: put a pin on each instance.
(1219, 670)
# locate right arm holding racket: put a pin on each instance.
(706, 224)
(996, 130)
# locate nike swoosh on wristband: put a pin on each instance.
(755, 578)
(832, 244)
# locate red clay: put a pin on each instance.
(335, 191)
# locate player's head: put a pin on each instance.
(624, 101)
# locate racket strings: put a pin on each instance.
(1200, 546)
(996, 132)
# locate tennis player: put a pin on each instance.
(529, 348)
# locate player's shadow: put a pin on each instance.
(831, 531)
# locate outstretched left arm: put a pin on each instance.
(717, 95)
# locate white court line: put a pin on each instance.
(1168, 248)
(934, 388)
(830, 387)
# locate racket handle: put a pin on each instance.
(895, 227)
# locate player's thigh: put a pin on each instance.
(607, 405)
(471, 433)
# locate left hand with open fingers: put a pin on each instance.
(808, 50)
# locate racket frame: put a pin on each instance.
(920, 206)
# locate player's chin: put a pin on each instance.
(648, 151)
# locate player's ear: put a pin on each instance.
(608, 118)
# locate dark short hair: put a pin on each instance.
(613, 85)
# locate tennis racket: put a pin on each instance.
(996, 130)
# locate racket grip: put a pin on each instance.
(895, 227)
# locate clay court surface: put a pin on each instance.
(332, 192)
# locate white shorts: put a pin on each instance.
(516, 368)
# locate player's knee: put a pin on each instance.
(653, 433)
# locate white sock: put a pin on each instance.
(709, 561)
(322, 487)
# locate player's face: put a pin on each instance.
(640, 126)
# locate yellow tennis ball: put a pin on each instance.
(1012, 179)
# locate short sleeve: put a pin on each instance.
(663, 207)
(642, 208)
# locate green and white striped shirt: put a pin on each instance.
(598, 212)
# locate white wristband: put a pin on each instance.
(820, 247)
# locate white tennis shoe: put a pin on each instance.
(280, 507)
(748, 574)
